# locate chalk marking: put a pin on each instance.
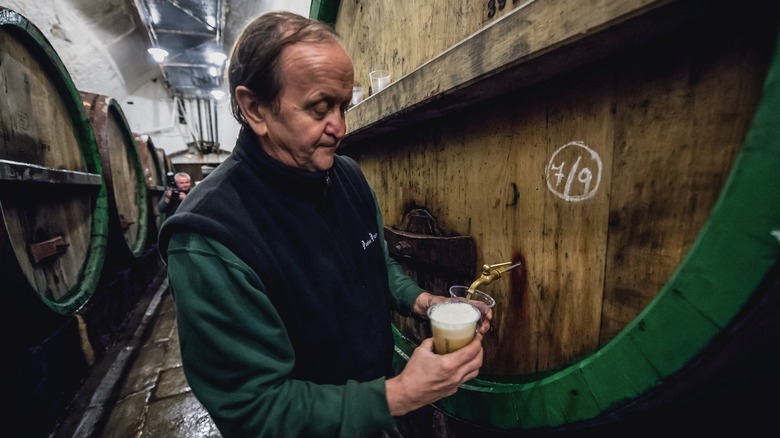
(580, 177)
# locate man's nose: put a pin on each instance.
(337, 125)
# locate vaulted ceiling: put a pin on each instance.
(104, 43)
(198, 34)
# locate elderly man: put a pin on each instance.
(278, 266)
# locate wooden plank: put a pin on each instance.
(681, 116)
(520, 49)
(578, 146)
(401, 36)
(32, 173)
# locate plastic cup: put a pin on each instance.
(379, 80)
(357, 96)
(477, 297)
(453, 324)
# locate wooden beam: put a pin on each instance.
(534, 42)
(32, 173)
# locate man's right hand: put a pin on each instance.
(429, 377)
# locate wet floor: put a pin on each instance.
(138, 389)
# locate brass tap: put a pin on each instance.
(490, 273)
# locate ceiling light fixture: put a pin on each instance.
(157, 53)
(216, 58)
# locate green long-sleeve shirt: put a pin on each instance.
(237, 356)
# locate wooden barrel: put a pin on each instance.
(154, 173)
(167, 164)
(638, 190)
(154, 170)
(53, 202)
(123, 175)
(168, 170)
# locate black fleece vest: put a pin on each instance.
(312, 239)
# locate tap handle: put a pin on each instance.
(492, 272)
(488, 268)
(499, 267)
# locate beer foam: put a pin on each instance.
(454, 313)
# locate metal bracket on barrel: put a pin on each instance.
(421, 241)
(124, 223)
(49, 248)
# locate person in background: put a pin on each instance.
(175, 194)
(277, 262)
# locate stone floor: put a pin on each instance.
(154, 398)
(138, 389)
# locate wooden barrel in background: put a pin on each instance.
(167, 164)
(154, 173)
(53, 202)
(168, 171)
(638, 191)
(123, 175)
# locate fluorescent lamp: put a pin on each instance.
(157, 53)
(216, 58)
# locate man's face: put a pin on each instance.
(182, 183)
(316, 91)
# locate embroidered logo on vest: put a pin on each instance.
(371, 238)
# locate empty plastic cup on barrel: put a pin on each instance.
(357, 95)
(379, 80)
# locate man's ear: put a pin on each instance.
(251, 109)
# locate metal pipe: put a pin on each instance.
(211, 120)
(216, 125)
(200, 123)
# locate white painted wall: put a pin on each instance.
(84, 49)
(108, 57)
(301, 7)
